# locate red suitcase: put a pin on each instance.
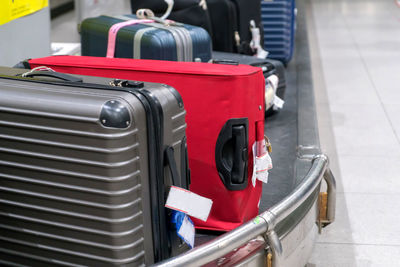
(225, 116)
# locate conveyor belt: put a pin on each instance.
(281, 129)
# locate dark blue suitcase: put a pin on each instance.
(175, 42)
(279, 23)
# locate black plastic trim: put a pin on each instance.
(176, 94)
(115, 115)
(231, 154)
(225, 62)
(23, 65)
(157, 219)
(185, 171)
(170, 162)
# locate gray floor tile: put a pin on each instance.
(369, 174)
(384, 74)
(363, 130)
(369, 219)
(393, 111)
(347, 83)
(347, 255)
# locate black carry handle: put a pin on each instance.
(225, 62)
(231, 154)
(170, 160)
(52, 74)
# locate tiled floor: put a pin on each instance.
(358, 53)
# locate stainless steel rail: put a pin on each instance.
(263, 224)
(331, 190)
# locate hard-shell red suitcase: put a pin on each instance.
(225, 116)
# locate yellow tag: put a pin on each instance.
(13, 9)
(268, 144)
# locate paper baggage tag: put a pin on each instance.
(188, 202)
(261, 164)
(278, 102)
(269, 95)
(184, 227)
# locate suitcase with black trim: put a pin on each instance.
(129, 37)
(85, 167)
(279, 24)
(269, 67)
(231, 23)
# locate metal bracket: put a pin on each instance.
(327, 201)
(269, 259)
(275, 250)
(323, 207)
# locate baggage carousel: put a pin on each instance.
(296, 203)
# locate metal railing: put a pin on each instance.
(265, 223)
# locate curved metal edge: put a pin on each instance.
(314, 176)
(261, 225)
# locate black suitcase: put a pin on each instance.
(85, 168)
(230, 20)
(269, 67)
(224, 23)
(192, 12)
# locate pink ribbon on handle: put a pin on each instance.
(112, 33)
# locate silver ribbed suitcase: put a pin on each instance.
(85, 168)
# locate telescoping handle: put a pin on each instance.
(231, 154)
(52, 74)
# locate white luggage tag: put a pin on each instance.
(271, 83)
(255, 42)
(184, 227)
(189, 203)
(262, 162)
(278, 103)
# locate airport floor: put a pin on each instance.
(355, 50)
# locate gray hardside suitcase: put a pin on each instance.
(84, 170)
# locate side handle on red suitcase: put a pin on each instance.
(231, 154)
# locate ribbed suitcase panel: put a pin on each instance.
(70, 189)
(278, 19)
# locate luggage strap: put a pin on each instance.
(112, 33)
(183, 39)
(170, 160)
